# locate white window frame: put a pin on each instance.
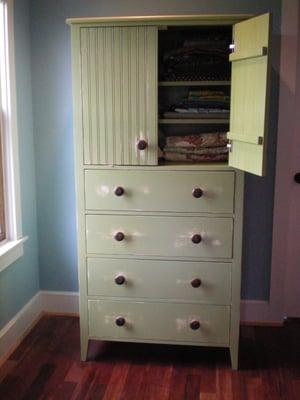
(12, 247)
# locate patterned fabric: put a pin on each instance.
(190, 157)
(197, 102)
(214, 139)
(201, 56)
(196, 150)
(206, 147)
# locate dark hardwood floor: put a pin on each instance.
(46, 365)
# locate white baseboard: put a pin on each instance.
(60, 302)
(252, 312)
(15, 330)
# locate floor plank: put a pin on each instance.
(47, 366)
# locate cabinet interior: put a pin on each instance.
(194, 75)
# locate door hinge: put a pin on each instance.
(232, 46)
(229, 145)
(260, 140)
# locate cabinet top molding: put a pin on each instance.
(199, 19)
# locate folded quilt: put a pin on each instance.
(196, 150)
(213, 139)
(171, 156)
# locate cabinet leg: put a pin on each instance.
(84, 349)
(234, 356)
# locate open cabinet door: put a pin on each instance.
(249, 95)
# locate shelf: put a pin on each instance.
(194, 83)
(194, 121)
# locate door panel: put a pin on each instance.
(119, 95)
(249, 92)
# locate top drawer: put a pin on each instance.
(173, 191)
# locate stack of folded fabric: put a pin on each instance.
(195, 148)
(206, 103)
(198, 59)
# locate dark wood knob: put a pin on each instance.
(195, 325)
(297, 177)
(119, 191)
(197, 193)
(119, 236)
(120, 279)
(196, 238)
(142, 144)
(120, 321)
(196, 282)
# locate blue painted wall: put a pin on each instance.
(20, 281)
(52, 110)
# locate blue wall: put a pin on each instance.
(52, 110)
(20, 281)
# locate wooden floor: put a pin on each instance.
(46, 366)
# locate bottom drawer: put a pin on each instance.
(159, 321)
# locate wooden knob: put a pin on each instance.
(196, 282)
(120, 279)
(119, 236)
(195, 325)
(297, 177)
(196, 238)
(142, 144)
(119, 191)
(120, 321)
(197, 193)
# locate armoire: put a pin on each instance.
(160, 242)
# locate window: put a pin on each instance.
(11, 238)
(2, 206)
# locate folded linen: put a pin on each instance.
(212, 139)
(172, 156)
(196, 150)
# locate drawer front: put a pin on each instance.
(158, 321)
(159, 236)
(190, 280)
(160, 191)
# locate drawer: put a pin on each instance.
(158, 321)
(160, 191)
(182, 280)
(159, 236)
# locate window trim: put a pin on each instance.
(12, 248)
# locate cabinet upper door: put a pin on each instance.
(249, 95)
(119, 94)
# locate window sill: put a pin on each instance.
(10, 252)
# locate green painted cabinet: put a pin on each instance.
(159, 245)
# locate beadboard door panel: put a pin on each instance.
(249, 94)
(159, 236)
(119, 95)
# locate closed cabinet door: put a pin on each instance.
(119, 95)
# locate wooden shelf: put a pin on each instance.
(194, 121)
(194, 83)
